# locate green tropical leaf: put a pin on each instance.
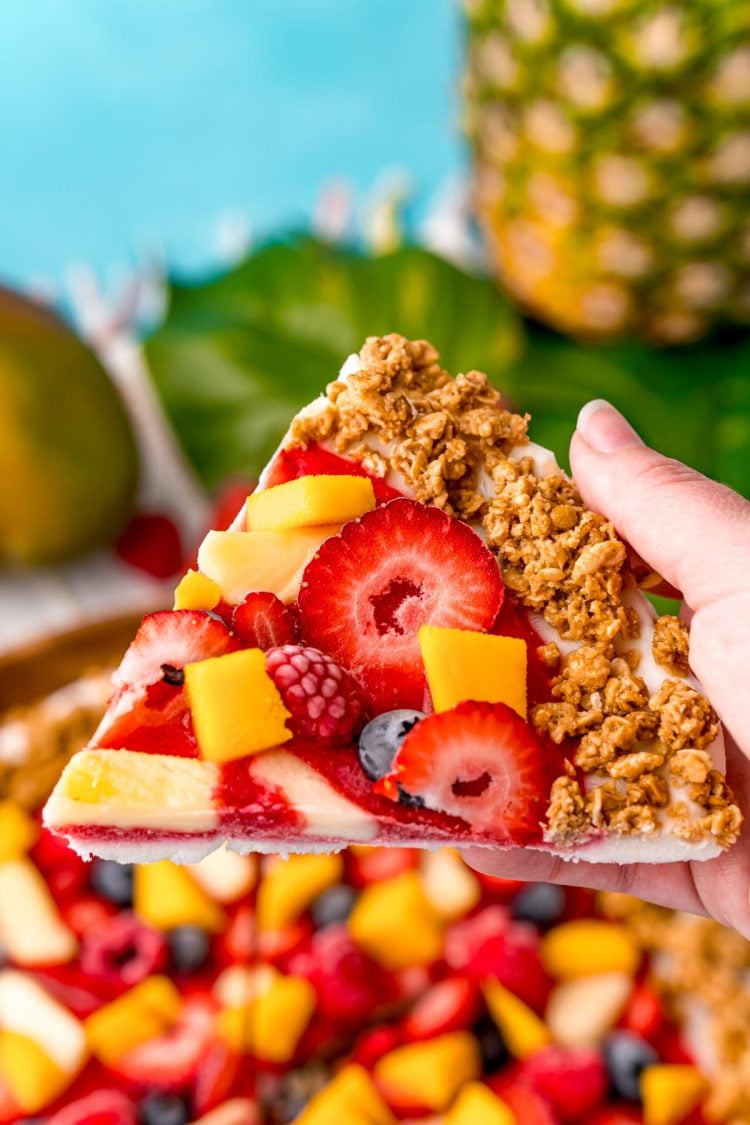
(236, 357)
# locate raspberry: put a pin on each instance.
(123, 950)
(323, 699)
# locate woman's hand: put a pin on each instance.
(696, 534)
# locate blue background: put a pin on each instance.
(130, 126)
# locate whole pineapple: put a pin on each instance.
(611, 144)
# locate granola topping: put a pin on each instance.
(457, 446)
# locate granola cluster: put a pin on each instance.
(457, 446)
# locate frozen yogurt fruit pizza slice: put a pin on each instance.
(414, 633)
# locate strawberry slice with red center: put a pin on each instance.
(263, 621)
(171, 1062)
(369, 589)
(478, 761)
(149, 711)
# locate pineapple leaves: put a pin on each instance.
(236, 357)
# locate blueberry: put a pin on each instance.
(113, 881)
(626, 1056)
(492, 1047)
(190, 947)
(541, 903)
(381, 738)
(333, 905)
(163, 1109)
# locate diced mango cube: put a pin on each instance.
(236, 707)
(431, 1073)
(241, 561)
(17, 831)
(586, 946)
(670, 1092)
(143, 1013)
(461, 665)
(196, 591)
(165, 896)
(521, 1028)
(477, 1105)
(396, 924)
(277, 1016)
(26, 1070)
(292, 885)
(449, 884)
(308, 502)
(350, 1098)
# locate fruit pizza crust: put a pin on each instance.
(408, 549)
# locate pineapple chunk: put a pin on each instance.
(461, 665)
(350, 1097)
(236, 707)
(26, 1070)
(166, 896)
(277, 1016)
(31, 929)
(308, 502)
(196, 591)
(520, 1027)
(291, 886)
(143, 1013)
(396, 923)
(477, 1105)
(429, 1074)
(241, 561)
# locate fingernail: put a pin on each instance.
(604, 428)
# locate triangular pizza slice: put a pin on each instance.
(415, 633)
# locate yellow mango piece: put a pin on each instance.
(17, 831)
(165, 896)
(241, 561)
(350, 1098)
(461, 665)
(231, 1024)
(277, 1016)
(308, 502)
(196, 591)
(146, 1011)
(396, 923)
(521, 1028)
(292, 885)
(477, 1105)
(236, 707)
(32, 1077)
(587, 946)
(670, 1093)
(431, 1073)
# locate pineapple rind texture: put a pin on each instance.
(611, 145)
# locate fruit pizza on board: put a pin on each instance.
(414, 633)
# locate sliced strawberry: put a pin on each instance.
(151, 543)
(368, 590)
(263, 621)
(512, 957)
(574, 1082)
(170, 638)
(373, 865)
(478, 761)
(529, 1107)
(149, 711)
(103, 1107)
(645, 1012)
(449, 1005)
(373, 1044)
(170, 1062)
(349, 984)
(289, 464)
(464, 940)
(215, 1077)
(10, 1110)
